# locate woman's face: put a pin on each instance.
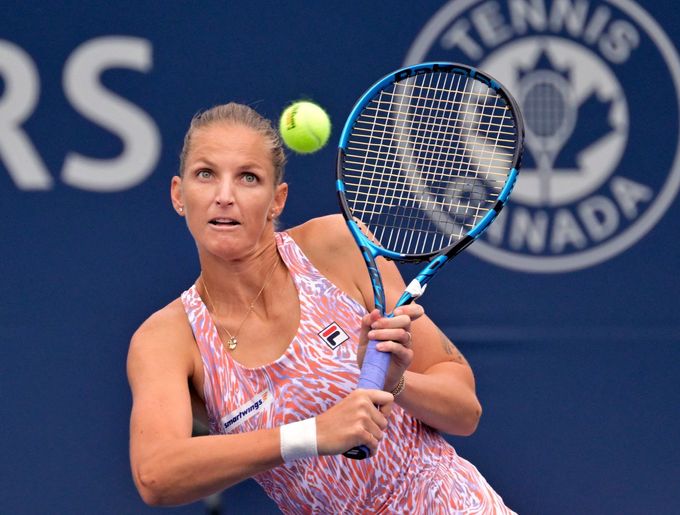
(227, 191)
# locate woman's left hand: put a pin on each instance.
(393, 335)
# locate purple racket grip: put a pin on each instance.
(373, 373)
(374, 368)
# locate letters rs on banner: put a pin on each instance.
(85, 92)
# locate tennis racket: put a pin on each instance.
(426, 161)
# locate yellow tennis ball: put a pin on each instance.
(304, 127)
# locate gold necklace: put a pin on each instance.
(233, 338)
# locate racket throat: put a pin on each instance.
(415, 289)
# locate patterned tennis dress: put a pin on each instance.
(414, 471)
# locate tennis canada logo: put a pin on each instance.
(333, 335)
(598, 84)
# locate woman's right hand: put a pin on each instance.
(358, 419)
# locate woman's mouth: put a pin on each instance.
(220, 222)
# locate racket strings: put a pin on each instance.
(427, 159)
(508, 142)
(381, 114)
(493, 158)
(440, 132)
(417, 237)
(454, 188)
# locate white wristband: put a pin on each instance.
(298, 440)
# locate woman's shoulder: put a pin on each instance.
(326, 233)
(328, 244)
(169, 315)
(163, 355)
(168, 327)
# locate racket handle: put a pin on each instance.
(361, 452)
(373, 374)
(374, 368)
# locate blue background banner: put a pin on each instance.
(567, 310)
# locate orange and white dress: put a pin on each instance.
(414, 471)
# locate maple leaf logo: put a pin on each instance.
(559, 126)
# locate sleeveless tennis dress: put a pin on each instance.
(414, 471)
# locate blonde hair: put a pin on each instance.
(238, 114)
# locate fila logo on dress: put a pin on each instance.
(333, 335)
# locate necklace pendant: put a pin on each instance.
(232, 342)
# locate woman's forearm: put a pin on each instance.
(442, 398)
(185, 470)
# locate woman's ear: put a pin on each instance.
(176, 195)
(280, 197)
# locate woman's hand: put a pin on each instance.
(393, 335)
(358, 419)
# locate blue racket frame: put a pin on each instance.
(376, 363)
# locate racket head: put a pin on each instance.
(427, 159)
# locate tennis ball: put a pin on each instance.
(304, 127)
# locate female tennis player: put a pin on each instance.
(265, 348)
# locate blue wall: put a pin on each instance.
(567, 312)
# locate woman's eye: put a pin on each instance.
(204, 174)
(250, 177)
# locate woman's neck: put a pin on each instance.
(233, 284)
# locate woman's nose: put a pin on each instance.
(225, 193)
